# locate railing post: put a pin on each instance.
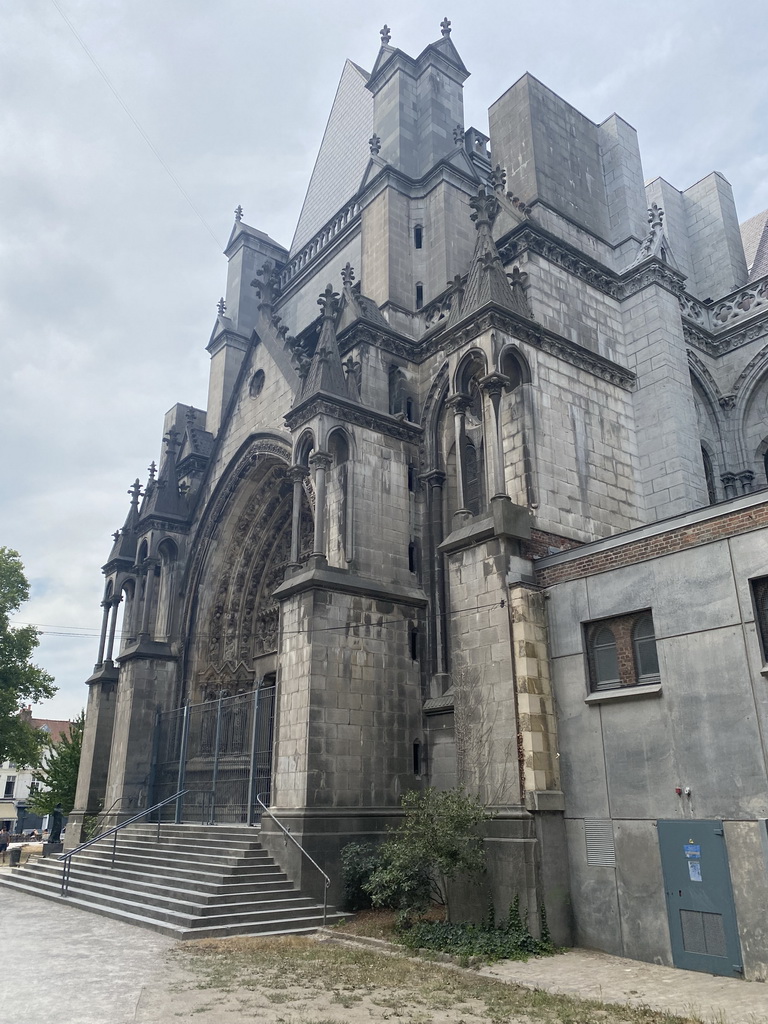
(252, 775)
(215, 774)
(114, 847)
(182, 764)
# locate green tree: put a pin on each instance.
(58, 773)
(20, 681)
(438, 839)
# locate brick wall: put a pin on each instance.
(691, 536)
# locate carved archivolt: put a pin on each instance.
(241, 551)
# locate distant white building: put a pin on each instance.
(17, 783)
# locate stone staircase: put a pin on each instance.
(196, 882)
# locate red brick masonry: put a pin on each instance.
(674, 539)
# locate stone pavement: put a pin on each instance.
(612, 979)
(79, 968)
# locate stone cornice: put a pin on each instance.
(343, 581)
(529, 237)
(493, 317)
(350, 412)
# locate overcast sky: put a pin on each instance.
(108, 278)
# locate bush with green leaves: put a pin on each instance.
(438, 839)
(358, 862)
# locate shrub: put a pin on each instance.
(358, 862)
(438, 839)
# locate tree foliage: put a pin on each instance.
(438, 839)
(58, 774)
(21, 682)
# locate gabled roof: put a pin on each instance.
(343, 155)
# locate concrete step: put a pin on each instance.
(154, 893)
(172, 865)
(202, 886)
(197, 882)
(275, 926)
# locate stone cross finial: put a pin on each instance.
(171, 439)
(485, 206)
(152, 470)
(348, 274)
(221, 306)
(655, 216)
(269, 285)
(458, 135)
(386, 35)
(328, 301)
(116, 534)
(445, 27)
(238, 213)
(135, 491)
(375, 143)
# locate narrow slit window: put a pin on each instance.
(419, 296)
(418, 236)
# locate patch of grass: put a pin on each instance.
(394, 985)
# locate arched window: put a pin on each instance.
(709, 476)
(605, 659)
(419, 295)
(644, 646)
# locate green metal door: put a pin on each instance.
(697, 883)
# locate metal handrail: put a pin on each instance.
(67, 857)
(287, 832)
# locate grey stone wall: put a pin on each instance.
(622, 760)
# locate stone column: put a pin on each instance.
(459, 404)
(493, 386)
(103, 640)
(115, 605)
(297, 474)
(321, 463)
(746, 479)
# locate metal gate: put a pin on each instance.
(220, 752)
(697, 883)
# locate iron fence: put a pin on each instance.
(220, 753)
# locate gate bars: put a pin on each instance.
(220, 754)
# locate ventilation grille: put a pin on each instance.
(703, 933)
(601, 850)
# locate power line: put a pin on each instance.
(88, 632)
(136, 124)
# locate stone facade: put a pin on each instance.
(526, 383)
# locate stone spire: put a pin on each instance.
(164, 499)
(326, 373)
(487, 281)
(124, 547)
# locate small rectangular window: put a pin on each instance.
(10, 785)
